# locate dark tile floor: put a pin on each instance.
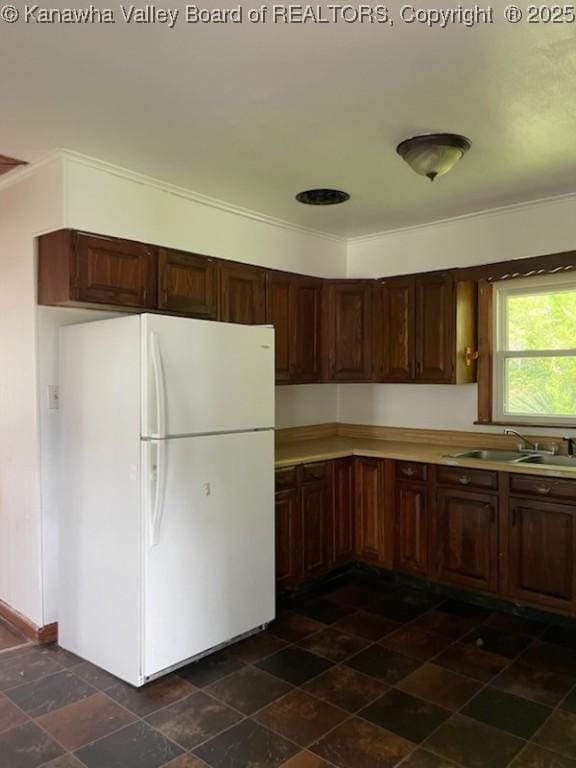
(369, 675)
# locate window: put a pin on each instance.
(534, 363)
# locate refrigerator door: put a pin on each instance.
(209, 550)
(201, 377)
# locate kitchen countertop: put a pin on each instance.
(323, 449)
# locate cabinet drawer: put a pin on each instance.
(285, 478)
(411, 470)
(312, 472)
(467, 478)
(544, 487)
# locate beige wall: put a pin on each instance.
(33, 205)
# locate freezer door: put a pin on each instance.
(201, 377)
(209, 553)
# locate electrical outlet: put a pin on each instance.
(53, 397)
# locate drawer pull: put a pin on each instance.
(408, 471)
(464, 480)
(543, 489)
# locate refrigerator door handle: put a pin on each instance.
(157, 475)
(159, 387)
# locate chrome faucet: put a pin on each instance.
(527, 446)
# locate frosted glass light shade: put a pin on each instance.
(433, 154)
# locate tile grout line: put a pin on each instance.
(342, 662)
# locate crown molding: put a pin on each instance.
(485, 213)
(67, 155)
(195, 197)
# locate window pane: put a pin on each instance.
(541, 321)
(544, 386)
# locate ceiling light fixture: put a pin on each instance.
(322, 197)
(433, 154)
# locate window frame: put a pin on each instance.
(503, 290)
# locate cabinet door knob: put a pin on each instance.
(464, 480)
(543, 489)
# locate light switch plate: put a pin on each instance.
(53, 397)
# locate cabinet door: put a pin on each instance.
(307, 298)
(396, 332)
(466, 539)
(187, 283)
(279, 305)
(111, 271)
(343, 504)
(315, 513)
(542, 554)
(411, 528)
(288, 538)
(350, 330)
(369, 509)
(435, 321)
(242, 294)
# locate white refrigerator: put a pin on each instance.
(167, 490)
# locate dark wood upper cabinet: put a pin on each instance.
(80, 268)
(187, 283)
(466, 539)
(294, 309)
(349, 325)
(435, 329)
(425, 329)
(411, 528)
(541, 557)
(288, 537)
(394, 329)
(242, 293)
(306, 363)
(279, 311)
(416, 328)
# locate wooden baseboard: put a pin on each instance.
(40, 635)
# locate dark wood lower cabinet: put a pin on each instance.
(316, 525)
(495, 536)
(342, 549)
(304, 522)
(541, 557)
(369, 509)
(411, 528)
(466, 539)
(288, 538)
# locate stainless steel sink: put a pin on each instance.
(552, 461)
(495, 455)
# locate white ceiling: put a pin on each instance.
(251, 114)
